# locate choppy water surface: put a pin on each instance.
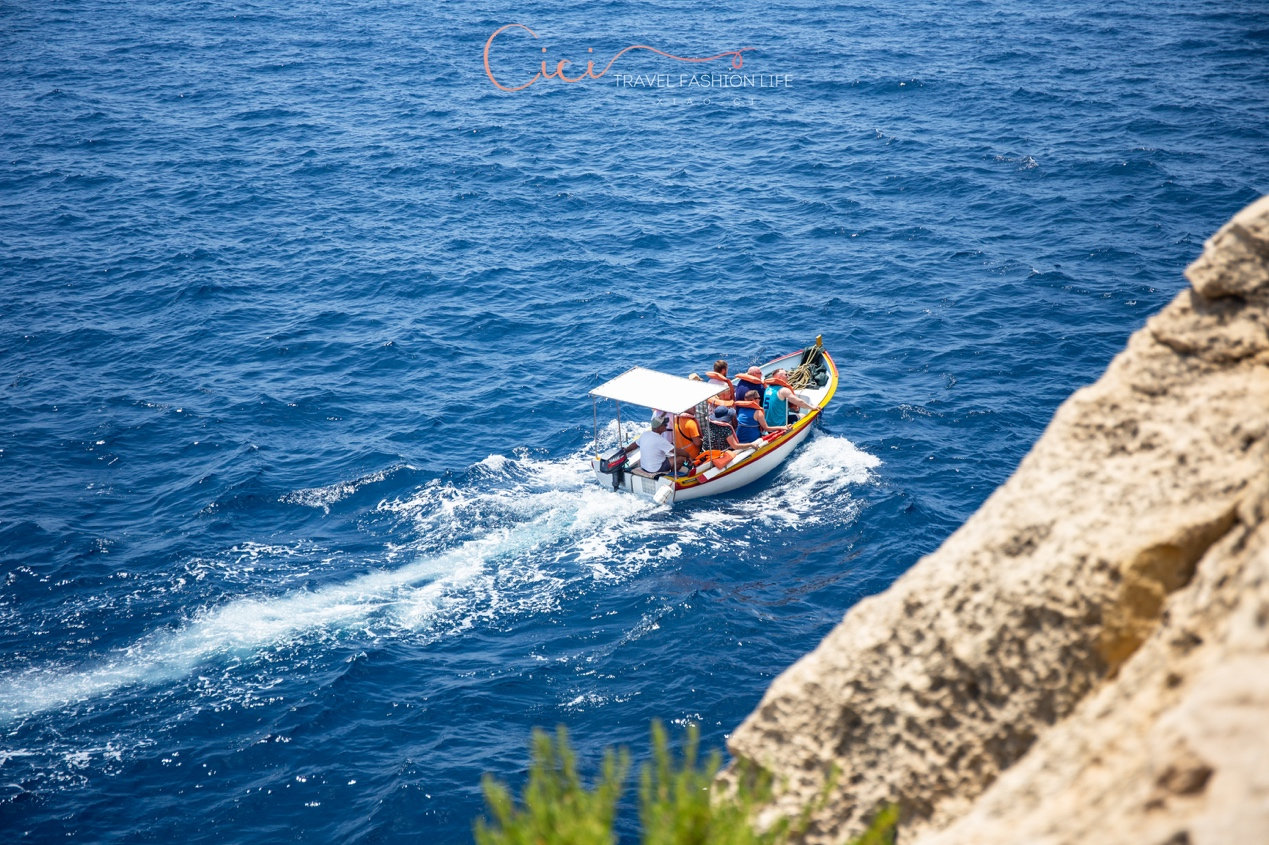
(300, 312)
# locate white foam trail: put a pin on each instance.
(518, 540)
(242, 627)
(411, 597)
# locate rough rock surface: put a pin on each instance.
(1087, 658)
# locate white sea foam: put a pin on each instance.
(521, 536)
(324, 497)
(813, 486)
(238, 629)
(473, 580)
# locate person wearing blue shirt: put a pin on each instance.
(751, 422)
(778, 397)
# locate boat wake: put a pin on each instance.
(515, 536)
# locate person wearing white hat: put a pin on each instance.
(656, 453)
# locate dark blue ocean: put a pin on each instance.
(299, 313)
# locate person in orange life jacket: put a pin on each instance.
(751, 422)
(656, 453)
(778, 397)
(718, 375)
(746, 382)
(687, 435)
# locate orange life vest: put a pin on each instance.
(780, 381)
(718, 457)
(755, 383)
(684, 441)
(727, 394)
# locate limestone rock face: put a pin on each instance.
(1087, 658)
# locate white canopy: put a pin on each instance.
(660, 391)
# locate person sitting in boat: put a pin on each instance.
(718, 375)
(722, 428)
(719, 424)
(687, 435)
(751, 422)
(746, 382)
(656, 453)
(778, 397)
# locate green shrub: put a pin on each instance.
(676, 803)
(557, 808)
(675, 806)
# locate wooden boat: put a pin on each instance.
(813, 375)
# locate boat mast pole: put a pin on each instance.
(594, 409)
(674, 436)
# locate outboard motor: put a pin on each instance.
(614, 465)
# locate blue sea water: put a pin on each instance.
(300, 312)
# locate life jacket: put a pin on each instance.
(753, 382)
(728, 394)
(681, 438)
(779, 380)
(718, 457)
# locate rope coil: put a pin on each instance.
(804, 375)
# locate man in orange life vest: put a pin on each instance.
(746, 382)
(687, 435)
(718, 375)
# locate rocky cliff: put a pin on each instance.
(1087, 658)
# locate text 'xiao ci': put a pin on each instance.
(737, 61)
